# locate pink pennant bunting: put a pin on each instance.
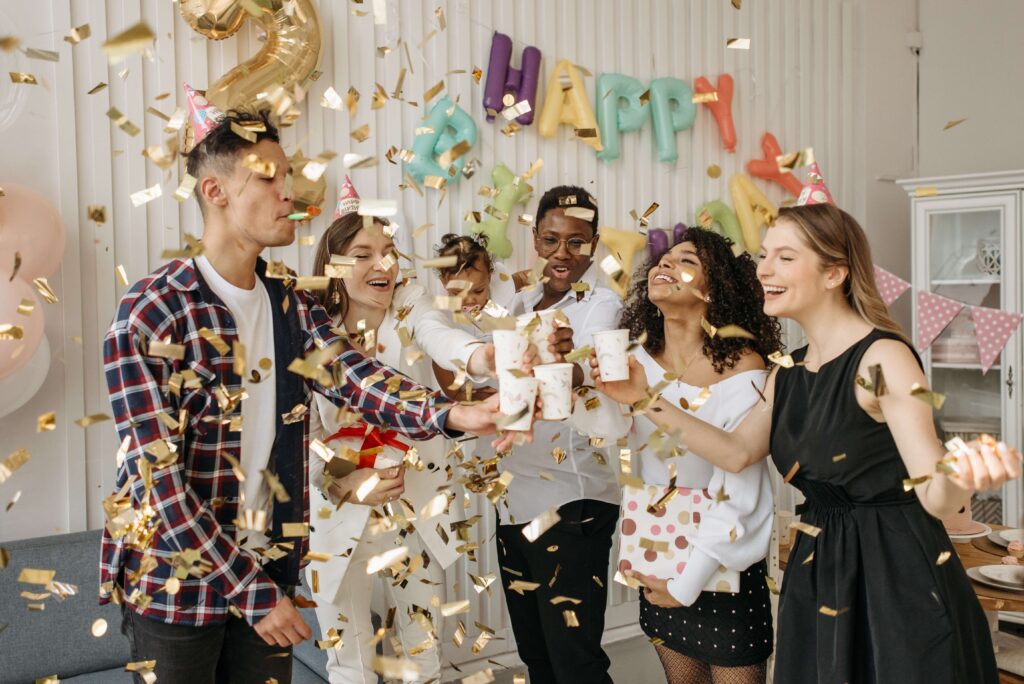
(992, 328)
(890, 286)
(934, 313)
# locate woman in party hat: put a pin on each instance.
(377, 493)
(874, 590)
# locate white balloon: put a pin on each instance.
(19, 387)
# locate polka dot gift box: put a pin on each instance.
(657, 543)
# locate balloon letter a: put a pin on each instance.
(568, 104)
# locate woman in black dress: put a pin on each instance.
(874, 591)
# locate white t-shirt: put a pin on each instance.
(254, 321)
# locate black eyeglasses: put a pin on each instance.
(549, 245)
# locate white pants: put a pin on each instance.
(351, 662)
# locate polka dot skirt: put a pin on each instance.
(720, 628)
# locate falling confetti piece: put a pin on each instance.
(952, 123)
(714, 171)
(130, 41)
(22, 77)
(99, 628)
(738, 43)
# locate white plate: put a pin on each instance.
(1007, 574)
(984, 532)
(975, 574)
(997, 540)
(1011, 535)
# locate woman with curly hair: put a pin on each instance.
(679, 301)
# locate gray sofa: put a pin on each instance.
(58, 640)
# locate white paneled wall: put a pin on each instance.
(799, 80)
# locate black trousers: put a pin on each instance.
(226, 653)
(553, 651)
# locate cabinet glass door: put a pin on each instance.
(969, 250)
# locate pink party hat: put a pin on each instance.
(348, 199)
(815, 191)
(203, 115)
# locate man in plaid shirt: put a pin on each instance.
(195, 595)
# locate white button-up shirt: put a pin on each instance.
(580, 475)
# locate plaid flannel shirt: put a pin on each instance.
(195, 498)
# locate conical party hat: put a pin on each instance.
(815, 191)
(203, 115)
(348, 199)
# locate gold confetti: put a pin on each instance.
(541, 524)
(737, 4)
(10, 464)
(793, 160)
(780, 359)
(943, 557)
(832, 612)
(702, 98)
(838, 457)
(215, 340)
(570, 618)
(387, 559)
(185, 188)
(911, 482)
(558, 454)
(431, 93)
(805, 528)
(928, 191)
(935, 399)
(455, 608)
(78, 34)
(738, 43)
(34, 576)
(23, 78)
(147, 195)
(97, 88)
(134, 39)
(122, 276)
(10, 332)
(45, 55)
(47, 422)
(99, 627)
(121, 121)
(294, 529)
(714, 171)
(91, 420)
(97, 213)
(361, 134)
(792, 471)
(26, 307)
(952, 123)
(259, 165)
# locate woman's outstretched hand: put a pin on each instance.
(623, 391)
(985, 464)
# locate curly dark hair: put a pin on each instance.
(736, 297)
(222, 146)
(469, 251)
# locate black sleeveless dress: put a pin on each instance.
(865, 601)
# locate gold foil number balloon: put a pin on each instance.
(288, 58)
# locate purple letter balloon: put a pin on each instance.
(502, 79)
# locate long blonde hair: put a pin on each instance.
(838, 240)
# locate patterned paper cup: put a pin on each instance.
(509, 349)
(517, 396)
(540, 332)
(555, 390)
(612, 360)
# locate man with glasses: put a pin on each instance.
(561, 470)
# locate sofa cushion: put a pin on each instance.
(57, 640)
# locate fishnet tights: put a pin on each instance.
(681, 669)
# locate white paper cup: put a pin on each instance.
(515, 394)
(610, 346)
(541, 332)
(509, 349)
(555, 390)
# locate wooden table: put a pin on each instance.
(970, 556)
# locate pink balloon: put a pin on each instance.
(31, 226)
(14, 354)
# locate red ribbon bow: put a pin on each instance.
(371, 441)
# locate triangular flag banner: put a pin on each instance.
(203, 115)
(348, 199)
(815, 191)
(890, 286)
(934, 313)
(993, 328)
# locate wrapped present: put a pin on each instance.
(380, 448)
(655, 533)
